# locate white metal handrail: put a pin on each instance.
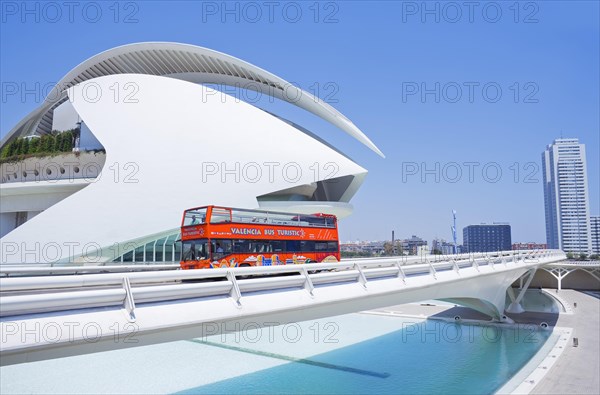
(40, 270)
(56, 293)
(577, 263)
(146, 277)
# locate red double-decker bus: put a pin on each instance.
(213, 236)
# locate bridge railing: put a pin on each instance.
(578, 263)
(51, 269)
(11, 270)
(36, 294)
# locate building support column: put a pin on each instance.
(515, 307)
(559, 273)
(559, 283)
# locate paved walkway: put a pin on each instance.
(577, 371)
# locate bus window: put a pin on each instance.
(220, 215)
(263, 247)
(277, 245)
(238, 215)
(245, 246)
(307, 246)
(259, 247)
(293, 246)
(324, 246)
(195, 250)
(221, 248)
(194, 217)
(241, 246)
(282, 219)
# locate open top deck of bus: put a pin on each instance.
(216, 214)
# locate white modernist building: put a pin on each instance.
(566, 196)
(169, 142)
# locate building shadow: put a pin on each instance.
(528, 317)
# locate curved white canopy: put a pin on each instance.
(188, 166)
(191, 63)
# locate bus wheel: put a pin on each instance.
(311, 271)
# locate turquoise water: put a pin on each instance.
(352, 353)
(422, 358)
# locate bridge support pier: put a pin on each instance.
(515, 306)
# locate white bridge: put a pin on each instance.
(51, 316)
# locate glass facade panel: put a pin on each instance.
(168, 252)
(139, 254)
(128, 256)
(150, 252)
(166, 249)
(159, 250)
(177, 255)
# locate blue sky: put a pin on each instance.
(372, 61)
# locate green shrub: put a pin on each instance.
(51, 143)
(18, 144)
(8, 150)
(34, 145)
(47, 144)
(68, 142)
(58, 139)
(25, 147)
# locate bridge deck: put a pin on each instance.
(171, 305)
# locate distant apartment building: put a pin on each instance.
(487, 238)
(595, 232)
(442, 246)
(423, 250)
(370, 247)
(566, 198)
(349, 247)
(411, 245)
(529, 246)
(401, 247)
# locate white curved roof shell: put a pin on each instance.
(158, 152)
(191, 63)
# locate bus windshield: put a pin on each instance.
(195, 216)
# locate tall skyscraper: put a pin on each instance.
(595, 230)
(487, 238)
(566, 196)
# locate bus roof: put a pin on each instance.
(218, 214)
